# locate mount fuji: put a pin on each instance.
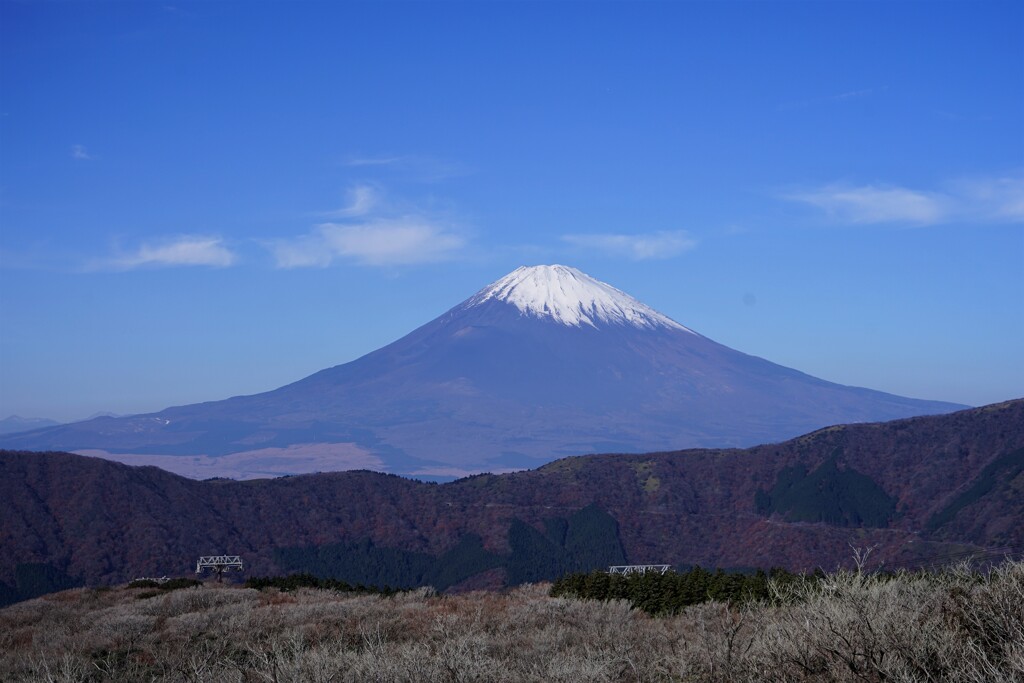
(543, 363)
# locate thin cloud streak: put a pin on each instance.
(838, 97)
(80, 153)
(186, 250)
(636, 247)
(978, 200)
(411, 167)
(853, 94)
(374, 161)
(872, 204)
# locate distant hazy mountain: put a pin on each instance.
(14, 424)
(543, 363)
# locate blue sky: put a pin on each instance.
(212, 199)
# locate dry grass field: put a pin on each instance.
(951, 626)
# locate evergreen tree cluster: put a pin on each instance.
(669, 593)
(840, 497)
(1000, 473)
(364, 563)
(32, 579)
(587, 540)
(296, 581)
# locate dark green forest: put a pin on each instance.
(841, 497)
(584, 541)
(32, 579)
(997, 474)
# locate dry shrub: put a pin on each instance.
(859, 627)
(956, 626)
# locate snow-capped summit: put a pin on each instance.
(570, 297)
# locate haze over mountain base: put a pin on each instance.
(255, 464)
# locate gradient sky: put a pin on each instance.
(205, 200)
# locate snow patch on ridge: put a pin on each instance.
(571, 297)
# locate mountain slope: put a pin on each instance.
(542, 363)
(916, 489)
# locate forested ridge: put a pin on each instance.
(913, 489)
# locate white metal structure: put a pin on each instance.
(639, 568)
(219, 564)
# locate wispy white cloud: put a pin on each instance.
(997, 199)
(361, 200)
(979, 200)
(638, 247)
(874, 204)
(185, 250)
(377, 242)
(80, 153)
(371, 232)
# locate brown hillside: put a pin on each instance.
(953, 482)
